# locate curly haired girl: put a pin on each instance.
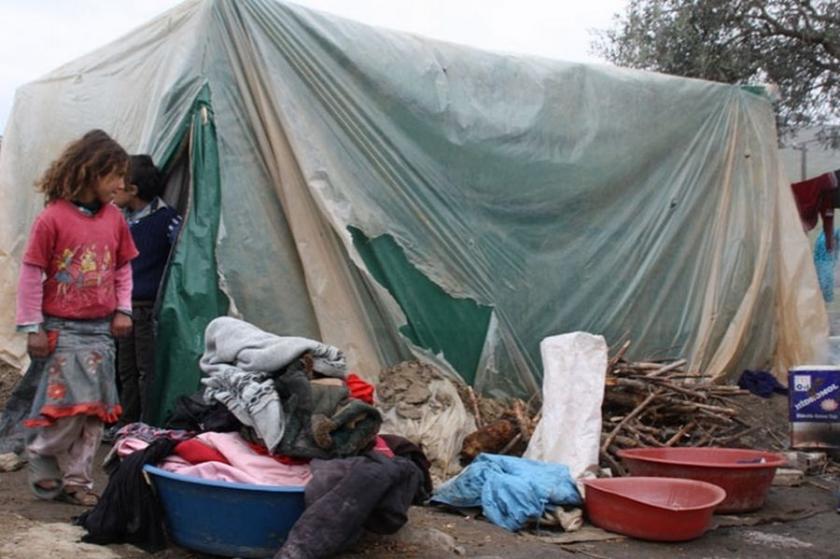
(74, 296)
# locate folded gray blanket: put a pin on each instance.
(240, 360)
(229, 342)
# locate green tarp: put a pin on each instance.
(398, 196)
(191, 297)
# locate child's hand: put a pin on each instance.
(38, 345)
(121, 325)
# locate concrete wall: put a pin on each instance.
(818, 160)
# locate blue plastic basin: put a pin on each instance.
(223, 518)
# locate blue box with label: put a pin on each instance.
(814, 396)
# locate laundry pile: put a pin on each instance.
(290, 393)
(273, 410)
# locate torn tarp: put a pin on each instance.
(503, 198)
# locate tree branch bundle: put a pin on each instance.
(646, 404)
(663, 405)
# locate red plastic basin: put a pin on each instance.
(745, 475)
(652, 508)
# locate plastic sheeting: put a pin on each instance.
(557, 196)
(192, 297)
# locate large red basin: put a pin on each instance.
(652, 508)
(745, 475)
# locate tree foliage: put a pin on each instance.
(794, 44)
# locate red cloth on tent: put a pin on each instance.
(814, 200)
(359, 389)
(196, 452)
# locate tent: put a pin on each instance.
(398, 196)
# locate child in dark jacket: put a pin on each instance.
(154, 227)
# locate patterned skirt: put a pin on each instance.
(78, 377)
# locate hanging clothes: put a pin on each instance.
(816, 198)
(825, 262)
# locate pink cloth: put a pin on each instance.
(80, 254)
(246, 466)
(128, 445)
(123, 284)
(30, 295)
(73, 442)
(382, 447)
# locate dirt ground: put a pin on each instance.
(35, 529)
(796, 522)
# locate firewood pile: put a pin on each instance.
(646, 404)
(662, 405)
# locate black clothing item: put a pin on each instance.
(296, 398)
(136, 363)
(154, 237)
(92, 207)
(347, 495)
(401, 446)
(322, 421)
(761, 383)
(128, 511)
(835, 192)
(192, 414)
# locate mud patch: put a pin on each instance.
(775, 540)
(9, 377)
(26, 539)
(770, 415)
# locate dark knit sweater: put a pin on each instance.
(153, 235)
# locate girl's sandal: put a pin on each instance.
(79, 496)
(45, 477)
(48, 484)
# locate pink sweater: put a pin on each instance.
(30, 294)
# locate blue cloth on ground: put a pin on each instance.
(761, 383)
(510, 490)
(825, 262)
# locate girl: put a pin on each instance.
(74, 295)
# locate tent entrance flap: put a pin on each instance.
(190, 297)
(176, 170)
(435, 320)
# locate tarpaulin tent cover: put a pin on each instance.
(392, 195)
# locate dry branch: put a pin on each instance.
(662, 405)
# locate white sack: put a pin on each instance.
(574, 371)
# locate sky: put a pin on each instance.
(37, 36)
